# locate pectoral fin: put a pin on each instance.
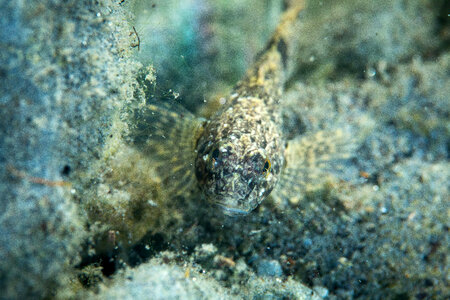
(167, 134)
(311, 161)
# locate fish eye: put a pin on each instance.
(215, 157)
(215, 154)
(267, 166)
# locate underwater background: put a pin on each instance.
(84, 214)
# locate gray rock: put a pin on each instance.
(270, 268)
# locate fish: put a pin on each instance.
(239, 156)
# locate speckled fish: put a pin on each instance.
(239, 155)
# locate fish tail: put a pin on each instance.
(283, 37)
(268, 74)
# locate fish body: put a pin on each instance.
(241, 151)
(239, 155)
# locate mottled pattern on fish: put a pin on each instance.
(238, 156)
(241, 152)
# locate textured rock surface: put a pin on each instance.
(60, 76)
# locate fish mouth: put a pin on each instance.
(231, 211)
(235, 210)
